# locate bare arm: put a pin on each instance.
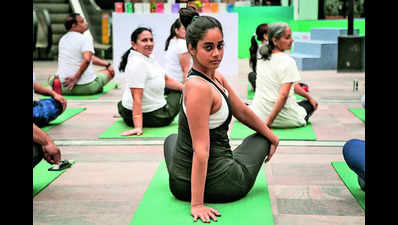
(52, 154)
(198, 101)
(300, 91)
(137, 112)
(98, 61)
(172, 83)
(185, 60)
(245, 115)
(40, 89)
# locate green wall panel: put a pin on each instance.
(250, 17)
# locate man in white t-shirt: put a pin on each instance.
(75, 60)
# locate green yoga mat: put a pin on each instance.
(350, 179)
(42, 177)
(241, 131)
(120, 126)
(107, 88)
(67, 114)
(159, 207)
(358, 112)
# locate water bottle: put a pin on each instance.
(57, 85)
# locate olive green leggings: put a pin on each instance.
(240, 176)
(94, 87)
(158, 118)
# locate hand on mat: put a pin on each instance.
(61, 99)
(204, 213)
(314, 103)
(136, 131)
(52, 154)
(111, 70)
(272, 150)
(70, 82)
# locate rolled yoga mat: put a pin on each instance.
(159, 207)
(350, 179)
(241, 131)
(67, 114)
(120, 126)
(107, 88)
(42, 177)
(358, 112)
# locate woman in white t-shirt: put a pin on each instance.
(178, 60)
(143, 103)
(276, 83)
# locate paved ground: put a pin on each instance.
(110, 176)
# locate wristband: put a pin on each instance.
(108, 65)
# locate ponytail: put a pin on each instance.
(253, 53)
(186, 15)
(123, 63)
(174, 26)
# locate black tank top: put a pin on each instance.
(220, 155)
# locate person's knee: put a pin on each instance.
(171, 139)
(257, 140)
(350, 145)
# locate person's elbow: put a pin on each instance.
(283, 96)
(201, 156)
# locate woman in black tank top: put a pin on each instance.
(202, 168)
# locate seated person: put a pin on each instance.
(44, 147)
(143, 103)
(277, 76)
(201, 165)
(46, 110)
(178, 60)
(75, 61)
(260, 35)
(354, 156)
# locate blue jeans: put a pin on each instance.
(46, 110)
(354, 155)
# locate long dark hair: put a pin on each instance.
(174, 26)
(134, 37)
(260, 31)
(186, 15)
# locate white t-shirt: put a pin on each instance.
(70, 55)
(271, 74)
(172, 65)
(144, 72)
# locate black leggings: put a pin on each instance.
(252, 79)
(158, 118)
(240, 176)
(308, 108)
